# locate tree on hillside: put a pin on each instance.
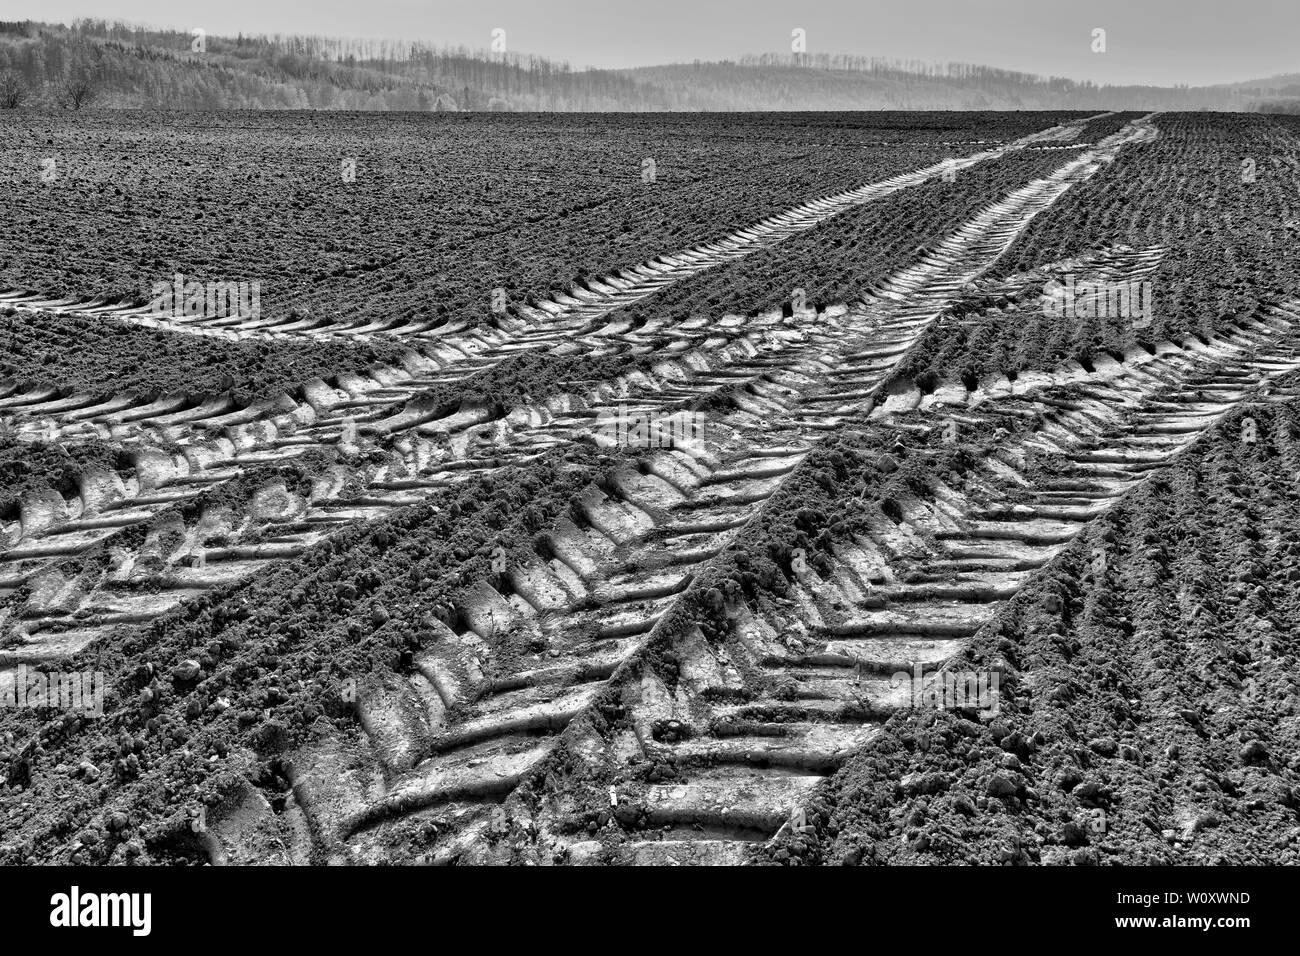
(78, 91)
(12, 91)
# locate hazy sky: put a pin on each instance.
(1148, 41)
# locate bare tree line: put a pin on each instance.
(76, 91)
(120, 65)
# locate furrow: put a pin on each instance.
(601, 585)
(583, 305)
(874, 635)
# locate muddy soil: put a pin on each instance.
(1098, 129)
(441, 209)
(821, 504)
(103, 356)
(845, 256)
(27, 466)
(1229, 230)
(1149, 710)
(1148, 698)
(222, 688)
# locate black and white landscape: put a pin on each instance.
(870, 448)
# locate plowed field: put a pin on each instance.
(759, 505)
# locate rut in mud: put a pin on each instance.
(761, 712)
(384, 403)
(599, 297)
(606, 693)
(423, 760)
(218, 437)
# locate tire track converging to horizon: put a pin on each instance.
(180, 449)
(601, 296)
(201, 441)
(449, 740)
(902, 597)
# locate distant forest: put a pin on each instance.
(95, 63)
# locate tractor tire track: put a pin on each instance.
(200, 442)
(601, 296)
(65, 600)
(900, 601)
(446, 745)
